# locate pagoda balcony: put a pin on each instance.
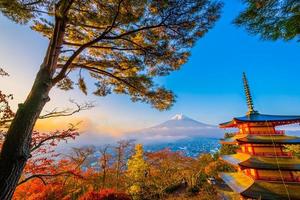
(271, 132)
(277, 179)
(266, 154)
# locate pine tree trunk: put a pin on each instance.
(16, 148)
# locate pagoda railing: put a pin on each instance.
(267, 154)
(287, 179)
(281, 154)
(280, 132)
(271, 132)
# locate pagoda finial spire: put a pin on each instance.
(248, 96)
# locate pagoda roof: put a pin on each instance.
(250, 188)
(235, 159)
(271, 163)
(257, 117)
(259, 162)
(261, 139)
(233, 139)
(266, 139)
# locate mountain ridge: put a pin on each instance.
(178, 127)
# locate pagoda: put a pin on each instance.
(264, 169)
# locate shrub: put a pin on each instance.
(173, 188)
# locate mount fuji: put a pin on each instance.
(177, 128)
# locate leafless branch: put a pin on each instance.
(58, 113)
(68, 111)
(3, 73)
(52, 137)
(42, 176)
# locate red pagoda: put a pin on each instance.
(264, 169)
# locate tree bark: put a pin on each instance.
(16, 147)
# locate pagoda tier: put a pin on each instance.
(259, 189)
(246, 161)
(261, 119)
(261, 139)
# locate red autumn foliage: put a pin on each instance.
(105, 194)
(5, 110)
(36, 190)
(42, 163)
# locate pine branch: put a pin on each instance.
(64, 69)
(103, 72)
(104, 47)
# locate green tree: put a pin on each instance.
(213, 168)
(204, 160)
(271, 19)
(227, 149)
(293, 148)
(137, 172)
(120, 44)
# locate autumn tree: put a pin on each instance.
(204, 160)
(227, 149)
(170, 171)
(43, 157)
(137, 172)
(105, 163)
(213, 168)
(271, 19)
(62, 179)
(120, 44)
(6, 112)
(293, 148)
(122, 151)
(43, 160)
(105, 194)
(41, 164)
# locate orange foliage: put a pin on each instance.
(36, 190)
(105, 194)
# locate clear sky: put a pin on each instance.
(208, 87)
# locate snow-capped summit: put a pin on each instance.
(178, 127)
(179, 117)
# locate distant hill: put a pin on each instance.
(177, 128)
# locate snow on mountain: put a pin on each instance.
(178, 127)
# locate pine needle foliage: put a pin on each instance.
(120, 44)
(271, 19)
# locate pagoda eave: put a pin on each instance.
(235, 159)
(274, 120)
(246, 161)
(227, 142)
(269, 141)
(261, 139)
(262, 166)
(256, 189)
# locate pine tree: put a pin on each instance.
(271, 19)
(122, 45)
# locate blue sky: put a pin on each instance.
(208, 87)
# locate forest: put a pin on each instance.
(115, 47)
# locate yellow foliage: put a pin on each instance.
(137, 170)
